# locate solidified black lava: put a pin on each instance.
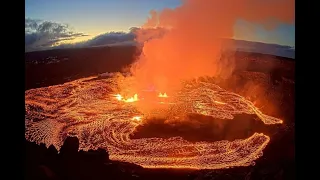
(204, 128)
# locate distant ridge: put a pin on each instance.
(260, 47)
(229, 44)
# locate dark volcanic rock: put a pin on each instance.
(43, 163)
(70, 146)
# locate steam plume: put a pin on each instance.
(192, 45)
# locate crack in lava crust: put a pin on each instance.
(87, 109)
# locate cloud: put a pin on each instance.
(41, 35)
(135, 36)
(110, 38)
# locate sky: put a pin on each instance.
(96, 17)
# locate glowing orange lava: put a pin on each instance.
(137, 118)
(91, 111)
(129, 100)
(162, 95)
(119, 97)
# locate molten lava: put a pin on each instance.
(137, 118)
(91, 111)
(129, 100)
(163, 95)
(189, 46)
(119, 97)
(218, 102)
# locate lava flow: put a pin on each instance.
(91, 111)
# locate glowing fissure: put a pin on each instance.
(129, 100)
(164, 95)
(91, 111)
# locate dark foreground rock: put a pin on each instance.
(47, 163)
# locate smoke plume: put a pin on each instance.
(191, 47)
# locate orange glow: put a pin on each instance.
(218, 102)
(98, 118)
(129, 100)
(190, 48)
(192, 39)
(119, 97)
(137, 118)
(132, 99)
(163, 95)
